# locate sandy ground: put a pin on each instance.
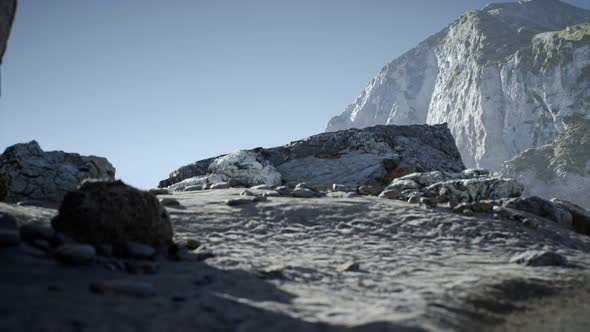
(276, 268)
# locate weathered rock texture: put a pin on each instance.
(37, 175)
(7, 13)
(354, 157)
(111, 212)
(560, 169)
(504, 78)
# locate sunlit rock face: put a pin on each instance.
(504, 78)
(7, 12)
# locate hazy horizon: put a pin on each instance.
(153, 86)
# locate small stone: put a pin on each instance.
(159, 191)
(124, 287)
(271, 193)
(271, 272)
(142, 267)
(31, 232)
(343, 187)
(207, 186)
(261, 187)
(501, 212)
(234, 183)
(539, 258)
(195, 187)
(482, 206)
(467, 212)
(220, 185)
(427, 201)
(191, 244)
(414, 199)
(303, 193)
(348, 267)
(530, 223)
(75, 253)
(9, 238)
(370, 190)
(239, 201)
(169, 202)
(247, 193)
(140, 250)
(390, 194)
(283, 190)
(342, 194)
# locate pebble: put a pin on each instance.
(195, 187)
(539, 258)
(271, 193)
(247, 193)
(283, 190)
(348, 267)
(467, 212)
(244, 201)
(169, 201)
(271, 272)
(159, 191)
(390, 194)
(142, 267)
(303, 193)
(140, 250)
(75, 253)
(191, 244)
(220, 185)
(124, 287)
(343, 187)
(370, 190)
(262, 187)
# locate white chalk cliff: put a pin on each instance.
(505, 78)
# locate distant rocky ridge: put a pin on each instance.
(505, 78)
(369, 156)
(559, 169)
(29, 173)
(7, 13)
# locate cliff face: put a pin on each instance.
(504, 78)
(7, 12)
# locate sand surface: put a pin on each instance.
(276, 268)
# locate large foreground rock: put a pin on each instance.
(354, 157)
(46, 176)
(7, 13)
(111, 212)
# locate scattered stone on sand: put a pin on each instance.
(192, 244)
(169, 201)
(271, 272)
(245, 200)
(219, 185)
(247, 193)
(102, 212)
(303, 193)
(344, 188)
(271, 193)
(197, 187)
(283, 190)
(75, 253)
(140, 250)
(542, 208)
(342, 194)
(123, 287)
(370, 190)
(48, 176)
(262, 187)
(141, 267)
(580, 216)
(539, 258)
(349, 267)
(159, 191)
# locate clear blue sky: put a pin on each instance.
(153, 85)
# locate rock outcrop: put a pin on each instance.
(353, 157)
(113, 213)
(46, 176)
(7, 13)
(504, 78)
(560, 169)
